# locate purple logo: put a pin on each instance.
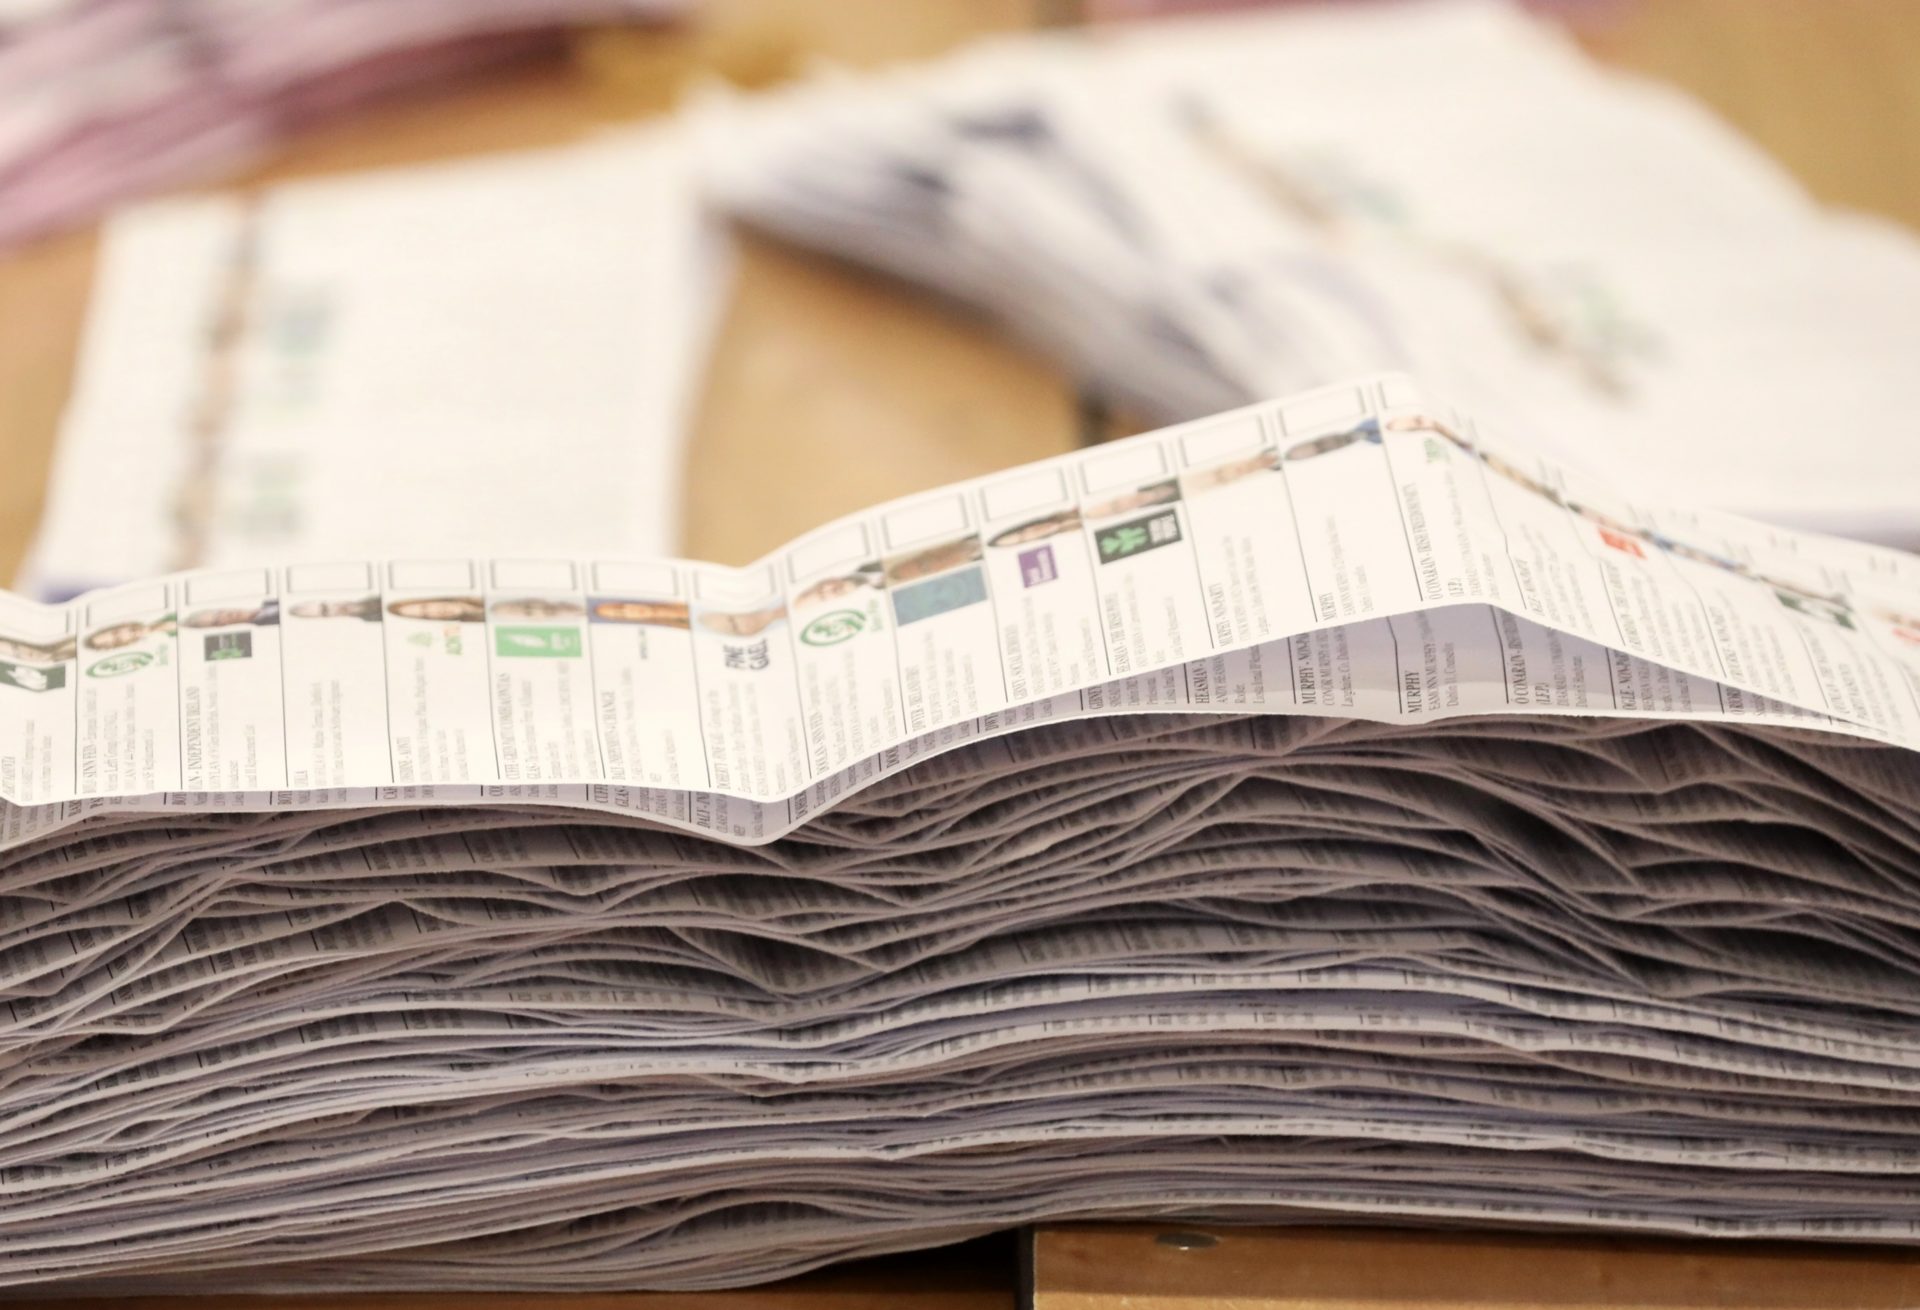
(1036, 566)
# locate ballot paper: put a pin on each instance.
(105, 99)
(376, 363)
(1328, 809)
(1199, 213)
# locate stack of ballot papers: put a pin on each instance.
(1328, 809)
(373, 363)
(104, 99)
(1196, 214)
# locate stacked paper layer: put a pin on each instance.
(104, 99)
(1197, 214)
(1326, 809)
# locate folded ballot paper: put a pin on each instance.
(369, 363)
(1326, 809)
(1201, 213)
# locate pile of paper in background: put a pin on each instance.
(1200, 213)
(105, 99)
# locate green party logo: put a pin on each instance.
(832, 629)
(113, 666)
(552, 643)
(1129, 539)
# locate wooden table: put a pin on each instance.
(830, 390)
(1138, 1267)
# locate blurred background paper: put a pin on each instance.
(1195, 214)
(105, 99)
(430, 361)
